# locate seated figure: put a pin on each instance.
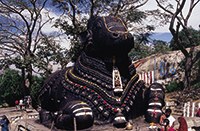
(87, 93)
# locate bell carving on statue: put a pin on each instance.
(129, 126)
(117, 83)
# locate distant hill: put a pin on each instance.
(162, 36)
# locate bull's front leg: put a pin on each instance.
(155, 99)
(75, 111)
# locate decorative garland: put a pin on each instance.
(96, 93)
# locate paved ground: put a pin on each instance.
(21, 117)
(30, 119)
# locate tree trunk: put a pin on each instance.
(28, 80)
(25, 89)
(188, 66)
(29, 71)
(198, 76)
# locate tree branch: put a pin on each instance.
(74, 13)
(118, 7)
(192, 5)
(163, 8)
(139, 5)
(92, 8)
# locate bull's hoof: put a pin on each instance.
(155, 103)
(75, 114)
(153, 115)
(119, 121)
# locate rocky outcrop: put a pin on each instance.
(167, 66)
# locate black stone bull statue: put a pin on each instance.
(102, 87)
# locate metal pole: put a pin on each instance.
(193, 105)
(25, 121)
(154, 69)
(74, 124)
(52, 125)
(188, 109)
(184, 109)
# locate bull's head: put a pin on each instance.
(107, 36)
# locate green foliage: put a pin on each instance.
(37, 83)
(48, 53)
(140, 51)
(174, 86)
(197, 85)
(160, 46)
(135, 16)
(76, 50)
(188, 62)
(195, 35)
(73, 33)
(142, 48)
(195, 75)
(197, 69)
(10, 87)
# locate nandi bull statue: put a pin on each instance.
(102, 87)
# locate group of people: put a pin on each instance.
(167, 122)
(26, 102)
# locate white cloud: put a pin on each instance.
(49, 28)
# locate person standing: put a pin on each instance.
(5, 123)
(168, 116)
(162, 118)
(16, 103)
(21, 103)
(183, 124)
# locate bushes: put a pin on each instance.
(37, 83)
(10, 87)
(197, 85)
(11, 90)
(175, 86)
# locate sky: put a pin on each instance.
(194, 19)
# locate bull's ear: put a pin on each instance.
(85, 36)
